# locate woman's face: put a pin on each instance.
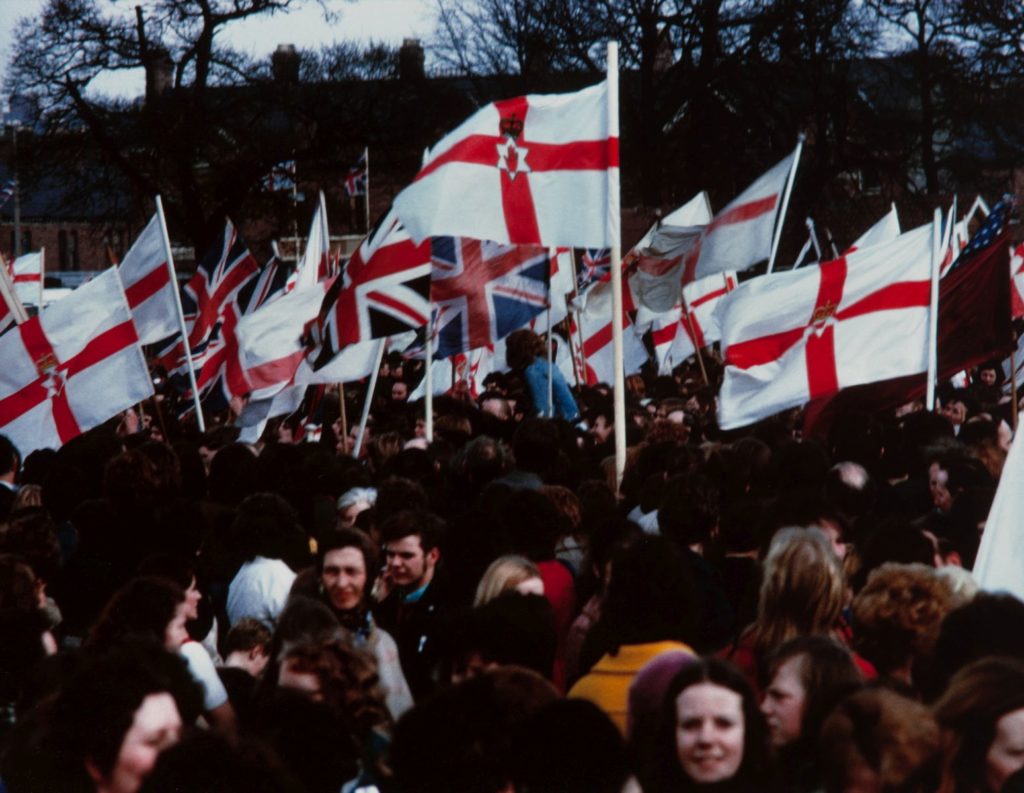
(344, 577)
(1006, 754)
(175, 634)
(347, 516)
(155, 727)
(192, 598)
(709, 732)
(784, 703)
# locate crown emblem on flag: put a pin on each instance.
(46, 364)
(511, 127)
(823, 313)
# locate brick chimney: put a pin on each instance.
(410, 60)
(285, 64)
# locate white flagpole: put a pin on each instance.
(368, 399)
(428, 381)
(366, 160)
(181, 316)
(933, 311)
(803, 252)
(615, 250)
(777, 236)
(814, 237)
(42, 275)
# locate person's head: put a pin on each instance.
(149, 606)
(688, 513)
(987, 375)
(399, 391)
(712, 731)
(354, 501)
(411, 547)
(246, 646)
(521, 347)
(805, 679)
(179, 569)
(875, 740)
(118, 711)
(346, 562)
(508, 573)
(802, 591)
(982, 712)
(10, 459)
(897, 616)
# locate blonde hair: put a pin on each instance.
(802, 592)
(504, 574)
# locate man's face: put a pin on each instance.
(407, 563)
(987, 377)
(956, 412)
(937, 479)
(602, 429)
(399, 392)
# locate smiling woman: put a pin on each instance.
(712, 735)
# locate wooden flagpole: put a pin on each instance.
(777, 236)
(366, 193)
(181, 317)
(696, 347)
(615, 250)
(368, 401)
(933, 310)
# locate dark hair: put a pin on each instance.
(827, 673)
(178, 568)
(521, 347)
(688, 510)
(143, 607)
(511, 629)
(977, 697)
(267, 525)
(347, 538)
(9, 456)
(420, 523)
(245, 635)
(660, 768)
(17, 583)
(32, 535)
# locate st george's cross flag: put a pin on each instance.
(741, 234)
(71, 368)
(691, 325)
(595, 327)
(853, 320)
(146, 274)
(534, 170)
(885, 230)
(27, 274)
(482, 291)
(384, 289)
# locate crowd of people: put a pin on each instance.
(490, 611)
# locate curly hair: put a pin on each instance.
(897, 614)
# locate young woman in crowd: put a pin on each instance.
(508, 573)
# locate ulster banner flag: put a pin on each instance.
(71, 368)
(534, 170)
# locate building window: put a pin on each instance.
(73, 250)
(62, 249)
(26, 240)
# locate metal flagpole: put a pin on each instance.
(814, 237)
(615, 250)
(933, 311)
(803, 252)
(428, 382)
(777, 236)
(368, 401)
(366, 196)
(181, 317)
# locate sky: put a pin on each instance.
(357, 20)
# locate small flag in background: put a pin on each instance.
(7, 191)
(593, 265)
(990, 230)
(355, 182)
(281, 177)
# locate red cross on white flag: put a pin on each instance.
(855, 320)
(148, 285)
(534, 170)
(71, 368)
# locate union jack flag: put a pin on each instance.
(210, 303)
(7, 191)
(281, 177)
(275, 279)
(384, 290)
(593, 264)
(483, 291)
(355, 182)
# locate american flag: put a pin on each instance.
(593, 265)
(355, 182)
(990, 230)
(7, 191)
(483, 291)
(210, 303)
(384, 290)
